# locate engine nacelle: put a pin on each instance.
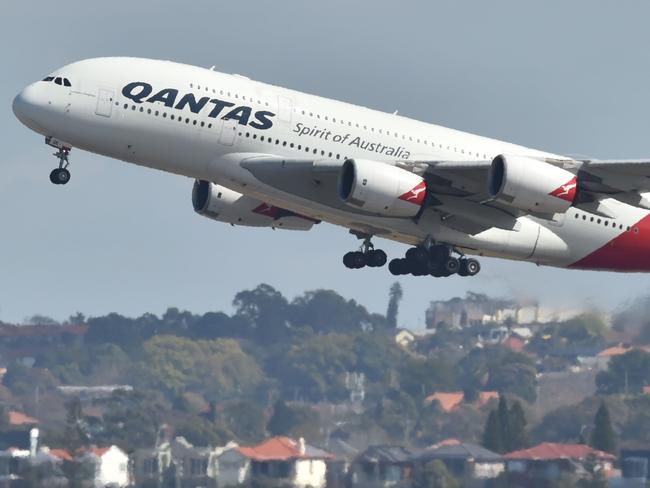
(224, 205)
(380, 188)
(531, 185)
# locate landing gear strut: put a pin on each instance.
(367, 255)
(436, 261)
(60, 175)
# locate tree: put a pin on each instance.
(504, 423)
(326, 311)
(603, 436)
(246, 420)
(435, 474)
(626, 373)
(395, 296)
(294, 421)
(492, 437)
(201, 432)
(75, 431)
(517, 427)
(266, 311)
(217, 368)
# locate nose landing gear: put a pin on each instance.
(60, 175)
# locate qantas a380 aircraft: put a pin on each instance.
(267, 156)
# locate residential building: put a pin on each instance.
(450, 401)
(177, 464)
(282, 459)
(338, 469)
(109, 466)
(383, 466)
(470, 463)
(548, 461)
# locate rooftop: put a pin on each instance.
(551, 451)
(282, 449)
(468, 451)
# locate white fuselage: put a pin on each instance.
(109, 110)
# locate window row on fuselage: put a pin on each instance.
(604, 222)
(316, 116)
(248, 134)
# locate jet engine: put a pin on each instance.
(531, 185)
(224, 205)
(380, 188)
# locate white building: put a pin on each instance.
(292, 462)
(111, 466)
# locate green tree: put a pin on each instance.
(492, 435)
(395, 296)
(202, 432)
(626, 373)
(517, 428)
(603, 436)
(435, 474)
(75, 431)
(246, 420)
(217, 368)
(266, 311)
(294, 421)
(504, 423)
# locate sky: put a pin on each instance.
(567, 77)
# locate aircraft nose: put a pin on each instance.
(26, 106)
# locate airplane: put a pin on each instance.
(266, 156)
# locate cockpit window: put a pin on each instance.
(59, 80)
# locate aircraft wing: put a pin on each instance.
(459, 194)
(614, 176)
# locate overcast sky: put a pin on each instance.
(569, 77)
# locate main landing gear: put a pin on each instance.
(367, 255)
(436, 261)
(60, 175)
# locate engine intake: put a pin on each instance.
(380, 188)
(531, 185)
(225, 205)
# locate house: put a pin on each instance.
(177, 463)
(338, 469)
(514, 344)
(109, 466)
(470, 463)
(549, 460)
(282, 459)
(383, 466)
(450, 401)
(18, 433)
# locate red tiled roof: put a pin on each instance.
(61, 454)
(551, 450)
(514, 344)
(99, 451)
(448, 401)
(41, 330)
(485, 396)
(19, 418)
(278, 449)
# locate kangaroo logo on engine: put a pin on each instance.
(141, 92)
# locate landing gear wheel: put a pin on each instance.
(451, 265)
(472, 267)
(60, 176)
(417, 257)
(358, 260)
(376, 258)
(398, 267)
(347, 260)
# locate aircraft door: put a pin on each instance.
(228, 131)
(285, 109)
(104, 102)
